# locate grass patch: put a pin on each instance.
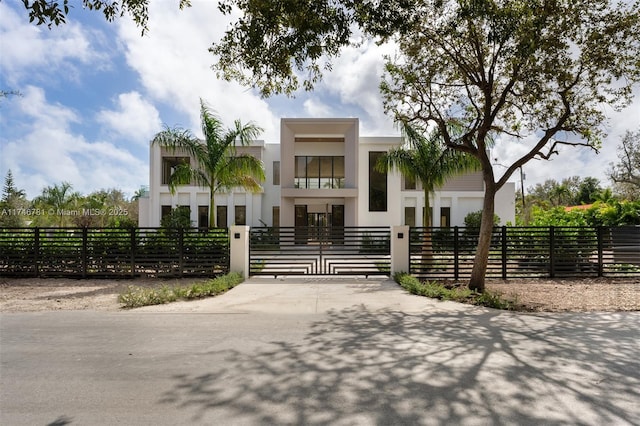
(135, 297)
(460, 294)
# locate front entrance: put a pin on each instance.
(318, 227)
(319, 250)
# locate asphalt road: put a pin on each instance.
(318, 352)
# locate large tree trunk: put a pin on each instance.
(427, 245)
(212, 210)
(484, 241)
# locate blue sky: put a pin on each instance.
(94, 94)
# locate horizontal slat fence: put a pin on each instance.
(527, 252)
(320, 251)
(439, 253)
(113, 253)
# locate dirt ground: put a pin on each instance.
(560, 295)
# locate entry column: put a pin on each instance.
(239, 250)
(399, 249)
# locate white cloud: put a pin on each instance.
(316, 108)
(174, 66)
(356, 78)
(27, 48)
(49, 152)
(136, 119)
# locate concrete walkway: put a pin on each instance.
(311, 295)
(319, 352)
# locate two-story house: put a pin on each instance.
(321, 174)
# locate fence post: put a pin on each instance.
(456, 253)
(133, 252)
(181, 251)
(400, 259)
(600, 234)
(239, 250)
(84, 251)
(504, 252)
(552, 260)
(36, 251)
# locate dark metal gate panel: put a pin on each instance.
(320, 251)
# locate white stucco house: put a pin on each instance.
(321, 173)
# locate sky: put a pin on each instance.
(93, 94)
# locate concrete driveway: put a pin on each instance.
(315, 352)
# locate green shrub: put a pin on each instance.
(437, 290)
(135, 297)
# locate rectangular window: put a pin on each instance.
(301, 172)
(338, 172)
(313, 172)
(409, 183)
(221, 214)
(164, 211)
(169, 165)
(326, 172)
(203, 216)
(319, 172)
(410, 216)
(240, 215)
(377, 185)
(276, 173)
(445, 217)
(275, 216)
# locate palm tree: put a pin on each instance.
(423, 158)
(218, 166)
(56, 201)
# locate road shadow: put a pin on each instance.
(475, 367)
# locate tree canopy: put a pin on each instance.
(50, 13)
(626, 172)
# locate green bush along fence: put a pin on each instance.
(113, 253)
(527, 252)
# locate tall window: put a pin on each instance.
(410, 216)
(275, 216)
(445, 216)
(203, 216)
(169, 165)
(164, 211)
(324, 172)
(240, 215)
(377, 185)
(221, 214)
(276, 173)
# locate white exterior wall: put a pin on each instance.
(505, 204)
(355, 195)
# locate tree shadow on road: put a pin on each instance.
(386, 367)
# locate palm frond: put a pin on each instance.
(244, 171)
(211, 124)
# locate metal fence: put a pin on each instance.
(113, 253)
(438, 253)
(527, 252)
(319, 251)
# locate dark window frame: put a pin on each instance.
(276, 173)
(378, 185)
(168, 166)
(312, 177)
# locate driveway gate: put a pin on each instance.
(319, 251)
